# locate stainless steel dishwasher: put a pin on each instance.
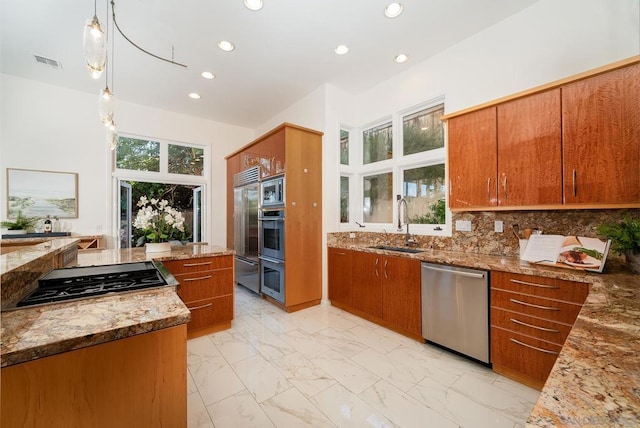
(455, 309)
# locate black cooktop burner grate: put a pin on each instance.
(76, 283)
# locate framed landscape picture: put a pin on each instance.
(42, 193)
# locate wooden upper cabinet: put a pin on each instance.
(530, 150)
(601, 138)
(472, 159)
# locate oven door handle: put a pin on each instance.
(269, 259)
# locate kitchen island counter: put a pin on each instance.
(31, 333)
(594, 380)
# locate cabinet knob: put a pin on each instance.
(293, 204)
(305, 170)
(315, 205)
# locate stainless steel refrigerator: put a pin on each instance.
(245, 220)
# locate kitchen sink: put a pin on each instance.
(398, 249)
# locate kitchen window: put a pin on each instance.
(160, 169)
(403, 156)
(344, 147)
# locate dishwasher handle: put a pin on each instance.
(455, 272)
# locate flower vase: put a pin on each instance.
(157, 247)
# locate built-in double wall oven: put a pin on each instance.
(272, 259)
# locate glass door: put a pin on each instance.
(197, 214)
(124, 227)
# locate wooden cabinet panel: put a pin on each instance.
(531, 326)
(601, 138)
(472, 159)
(558, 289)
(339, 270)
(401, 294)
(526, 355)
(233, 167)
(530, 150)
(204, 285)
(177, 267)
(210, 312)
(535, 306)
(366, 283)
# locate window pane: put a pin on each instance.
(344, 147)
(185, 160)
(139, 155)
(377, 144)
(423, 131)
(344, 199)
(378, 198)
(424, 190)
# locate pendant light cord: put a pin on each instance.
(115, 23)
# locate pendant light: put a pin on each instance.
(106, 102)
(94, 45)
(112, 135)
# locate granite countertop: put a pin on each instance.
(595, 379)
(31, 333)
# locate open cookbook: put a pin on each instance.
(575, 252)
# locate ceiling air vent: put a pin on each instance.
(47, 61)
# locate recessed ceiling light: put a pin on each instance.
(226, 46)
(253, 4)
(194, 96)
(393, 10)
(401, 58)
(208, 75)
(341, 49)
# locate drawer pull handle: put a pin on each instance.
(548, 308)
(375, 268)
(546, 351)
(550, 330)
(385, 268)
(196, 264)
(197, 279)
(200, 307)
(533, 284)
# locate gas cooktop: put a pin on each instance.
(82, 282)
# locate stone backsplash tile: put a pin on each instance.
(483, 240)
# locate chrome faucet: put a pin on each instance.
(402, 202)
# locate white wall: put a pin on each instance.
(52, 128)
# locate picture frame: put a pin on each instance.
(42, 193)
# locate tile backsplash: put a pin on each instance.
(483, 240)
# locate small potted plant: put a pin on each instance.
(159, 222)
(625, 239)
(20, 225)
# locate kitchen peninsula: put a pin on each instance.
(108, 346)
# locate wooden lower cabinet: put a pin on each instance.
(383, 289)
(206, 288)
(140, 381)
(531, 318)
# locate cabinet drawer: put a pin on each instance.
(205, 285)
(536, 327)
(569, 291)
(177, 267)
(209, 312)
(531, 357)
(535, 306)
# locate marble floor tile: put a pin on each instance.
(215, 380)
(239, 411)
(292, 409)
(197, 416)
(403, 409)
(260, 378)
(346, 409)
(324, 367)
(303, 374)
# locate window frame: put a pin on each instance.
(163, 176)
(357, 170)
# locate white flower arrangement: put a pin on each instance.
(157, 219)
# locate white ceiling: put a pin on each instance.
(283, 52)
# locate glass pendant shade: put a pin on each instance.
(95, 47)
(106, 106)
(112, 135)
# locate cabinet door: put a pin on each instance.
(530, 150)
(472, 159)
(401, 294)
(601, 138)
(366, 284)
(340, 276)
